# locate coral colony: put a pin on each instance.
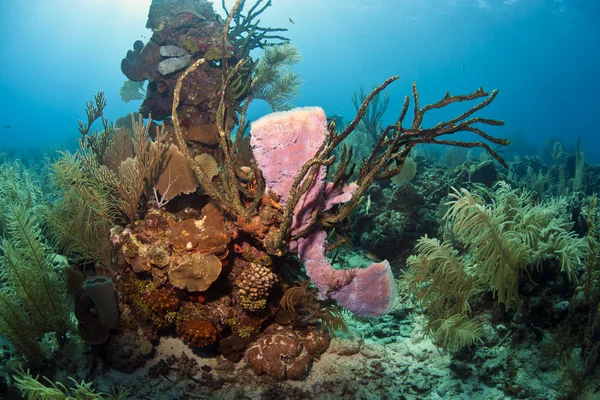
(215, 263)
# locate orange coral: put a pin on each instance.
(198, 297)
(162, 300)
(206, 235)
(253, 225)
(270, 202)
(198, 333)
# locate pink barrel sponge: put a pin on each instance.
(282, 143)
(365, 292)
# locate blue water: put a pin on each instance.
(543, 56)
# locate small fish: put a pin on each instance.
(368, 207)
(289, 19)
(463, 66)
(7, 126)
(372, 257)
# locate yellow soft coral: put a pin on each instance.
(511, 234)
(503, 240)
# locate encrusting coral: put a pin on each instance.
(196, 273)
(163, 300)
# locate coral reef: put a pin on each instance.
(220, 240)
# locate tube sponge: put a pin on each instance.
(102, 292)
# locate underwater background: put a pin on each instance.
(542, 55)
(325, 204)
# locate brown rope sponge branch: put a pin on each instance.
(392, 149)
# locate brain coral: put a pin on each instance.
(280, 355)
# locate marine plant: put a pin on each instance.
(80, 215)
(132, 90)
(512, 235)
(371, 123)
(244, 30)
(503, 241)
(127, 180)
(575, 342)
(17, 186)
(33, 389)
(304, 308)
(438, 280)
(33, 295)
(366, 134)
(273, 81)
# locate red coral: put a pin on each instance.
(197, 297)
(186, 123)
